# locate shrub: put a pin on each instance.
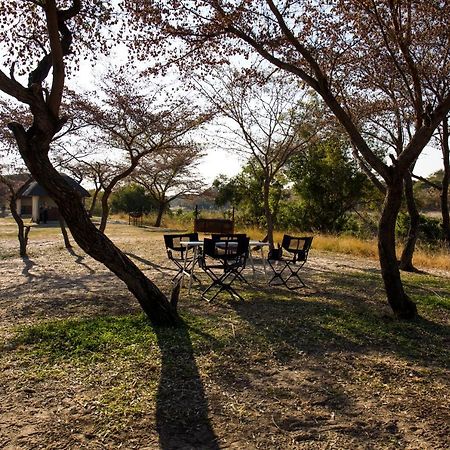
(430, 231)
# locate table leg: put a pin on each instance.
(192, 268)
(184, 266)
(252, 263)
(264, 263)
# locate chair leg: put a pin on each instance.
(222, 285)
(294, 274)
(278, 275)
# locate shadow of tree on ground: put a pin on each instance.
(28, 265)
(181, 405)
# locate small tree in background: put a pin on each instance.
(170, 174)
(132, 197)
(243, 191)
(271, 124)
(440, 180)
(13, 185)
(136, 122)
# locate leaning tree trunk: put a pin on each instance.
(445, 182)
(268, 213)
(34, 146)
(406, 260)
(401, 304)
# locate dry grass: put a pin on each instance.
(423, 258)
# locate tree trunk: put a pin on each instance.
(406, 260)
(62, 225)
(445, 182)
(161, 209)
(268, 213)
(94, 202)
(34, 145)
(105, 210)
(400, 303)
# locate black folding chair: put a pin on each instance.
(179, 254)
(286, 268)
(230, 237)
(223, 261)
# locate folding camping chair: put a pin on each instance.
(287, 268)
(220, 237)
(178, 253)
(223, 261)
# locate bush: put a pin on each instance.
(430, 231)
(132, 198)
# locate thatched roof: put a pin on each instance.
(35, 189)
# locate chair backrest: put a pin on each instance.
(228, 249)
(298, 246)
(173, 241)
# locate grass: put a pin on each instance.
(266, 322)
(82, 339)
(268, 329)
(437, 258)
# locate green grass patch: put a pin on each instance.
(126, 360)
(87, 338)
(124, 337)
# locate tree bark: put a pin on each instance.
(62, 225)
(22, 230)
(105, 210)
(401, 304)
(94, 202)
(406, 260)
(445, 182)
(161, 209)
(34, 146)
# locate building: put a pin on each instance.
(34, 199)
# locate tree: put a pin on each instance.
(49, 36)
(97, 172)
(271, 121)
(170, 174)
(388, 126)
(339, 48)
(14, 185)
(328, 183)
(15, 179)
(243, 191)
(137, 122)
(439, 181)
(132, 197)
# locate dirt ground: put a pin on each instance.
(318, 392)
